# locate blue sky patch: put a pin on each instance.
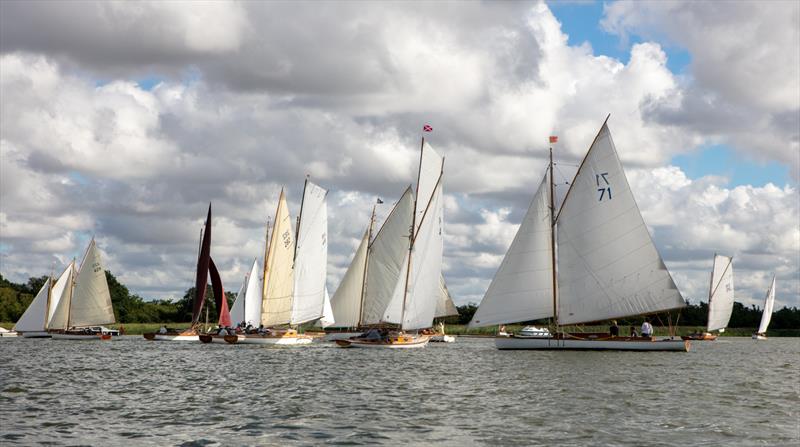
(721, 160)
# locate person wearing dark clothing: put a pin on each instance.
(614, 329)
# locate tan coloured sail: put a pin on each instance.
(276, 305)
(91, 300)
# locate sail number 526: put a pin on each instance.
(605, 191)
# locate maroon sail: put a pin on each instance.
(202, 270)
(219, 295)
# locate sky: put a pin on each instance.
(123, 120)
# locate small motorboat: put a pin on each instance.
(5, 333)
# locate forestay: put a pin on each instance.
(720, 294)
(387, 259)
(91, 300)
(346, 301)
(276, 305)
(311, 259)
(769, 302)
(522, 288)
(35, 316)
(608, 266)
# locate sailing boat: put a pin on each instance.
(205, 266)
(720, 299)
(246, 309)
(607, 265)
(401, 277)
(293, 289)
(769, 302)
(87, 305)
(445, 307)
(34, 322)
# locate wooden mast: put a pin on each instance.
(553, 240)
(366, 266)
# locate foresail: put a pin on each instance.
(252, 297)
(387, 259)
(327, 319)
(608, 266)
(60, 298)
(91, 300)
(35, 316)
(310, 264)
(769, 303)
(237, 310)
(522, 288)
(426, 265)
(346, 301)
(445, 307)
(276, 305)
(720, 297)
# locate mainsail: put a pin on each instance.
(346, 301)
(387, 260)
(247, 307)
(522, 288)
(60, 298)
(278, 287)
(220, 299)
(35, 316)
(769, 302)
(91, 300)
(201, 279)
(311, 258)
(720, 294)
(444, 305)
(608, 266)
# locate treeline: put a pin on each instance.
(692, 315)
(128, 307)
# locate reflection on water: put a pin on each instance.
(134, 392)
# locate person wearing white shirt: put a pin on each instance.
(647, 329)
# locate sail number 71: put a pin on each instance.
(606, 187)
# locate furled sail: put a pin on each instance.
(311, 259)
(608, 266)
(426, 264)
(720, 294)
(346, 301)
(769, 302)
(60, 297)
(276, 304)
(35, 316)
(522, 288)
(201, 279)
(445, 307)
(91, 300)
(387, 259)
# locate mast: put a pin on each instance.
(411, 235)
(553, 240)
(49, 295)
(266, 255)
(711, 289)
(366, 265)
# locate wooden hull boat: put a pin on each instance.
(80, 335)
(394, 341)
(591, 344)
(288, 337)
(211, 338)
(36, 334)
(705, 336)
(759, 337)
(333, 336)
(173, 335)
(8, 334)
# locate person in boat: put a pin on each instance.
(222, 331)
(162, 330)
(633, 332)
(647, 328)
(614, 329)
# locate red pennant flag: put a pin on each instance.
(553, 139)
(427, 128)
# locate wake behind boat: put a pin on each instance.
(607, 265)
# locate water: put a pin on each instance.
(134, 392)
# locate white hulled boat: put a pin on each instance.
(766, 315)
(34, 322)
(445, 307)
(79, 314)
(5, 333)
(295, 268)
(404, 267)
(606, 265)
(720, 299)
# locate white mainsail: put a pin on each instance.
(91, 300)
(608, 266)
(346, 301)
(426, 264)
(311, 259)
(387, 259)
(445, 307)
(769, 302)
(60, 298)
(237, 310)
(430, 168)
(278, 287)
(720, 294)
(522, 288)
(34, 319)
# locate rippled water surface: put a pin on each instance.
(133, 392)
